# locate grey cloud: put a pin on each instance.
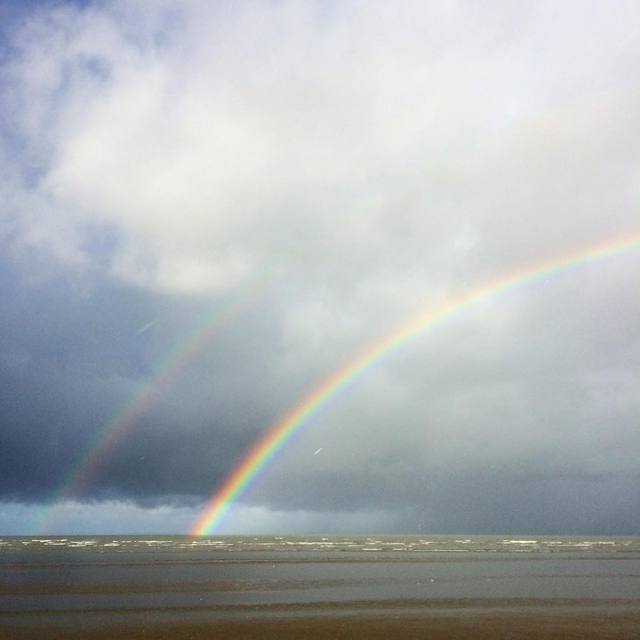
(73, 360)
(321, 174)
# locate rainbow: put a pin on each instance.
(276, 437)
(145, 396)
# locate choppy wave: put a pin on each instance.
(365, 544)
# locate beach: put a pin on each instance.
(445, 619)
(319, 587)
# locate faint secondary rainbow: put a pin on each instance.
(282, 431)
(145, 396)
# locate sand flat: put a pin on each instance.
(449, 618)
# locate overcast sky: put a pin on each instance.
(302, 177)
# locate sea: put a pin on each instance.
(94, 577)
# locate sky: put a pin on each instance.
(209, 208)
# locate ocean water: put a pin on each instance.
(122, 575)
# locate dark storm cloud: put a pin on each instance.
(437, 430)
(72, 357)
(66, 343)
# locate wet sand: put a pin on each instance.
(179, 588)
(449, 619)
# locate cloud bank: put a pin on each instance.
(324, 172)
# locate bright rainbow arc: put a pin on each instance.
(281, 432)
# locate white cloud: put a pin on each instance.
(363, 143)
